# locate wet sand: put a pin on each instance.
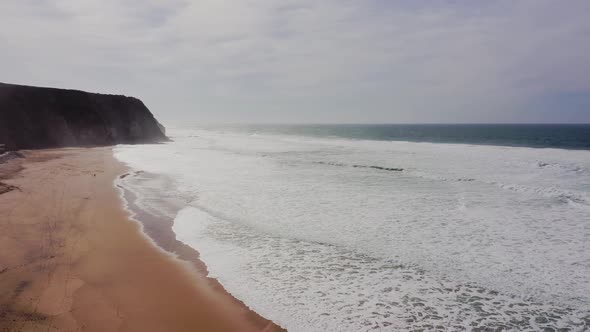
(71, 259)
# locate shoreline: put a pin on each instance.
(158, 230)
(72, 257)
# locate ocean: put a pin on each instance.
(384, 227)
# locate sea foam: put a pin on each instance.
(457, 236)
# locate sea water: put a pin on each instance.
(318, 231)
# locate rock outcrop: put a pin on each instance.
(4, 157)
(33, 117)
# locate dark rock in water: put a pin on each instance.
(390, 169)
(33, 117)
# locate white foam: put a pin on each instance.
(288, 225)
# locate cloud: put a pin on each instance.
(309, 61)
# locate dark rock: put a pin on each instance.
(33, 117)
(5, 188)
(162, 128)
(4, 157)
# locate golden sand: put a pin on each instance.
(72, 260)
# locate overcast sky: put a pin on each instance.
(338, 61)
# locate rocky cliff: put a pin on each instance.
(32, 118)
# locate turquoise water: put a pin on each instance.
(563, 136)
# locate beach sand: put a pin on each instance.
(71, 258)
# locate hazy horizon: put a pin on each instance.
(334, 62)
(244, 123)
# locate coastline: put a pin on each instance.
(72, 258)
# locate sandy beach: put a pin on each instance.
(71, 259)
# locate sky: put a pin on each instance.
(311, 61)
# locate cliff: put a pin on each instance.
(33, 117)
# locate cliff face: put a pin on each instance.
(32, 118)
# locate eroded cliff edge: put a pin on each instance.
(35, 117)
